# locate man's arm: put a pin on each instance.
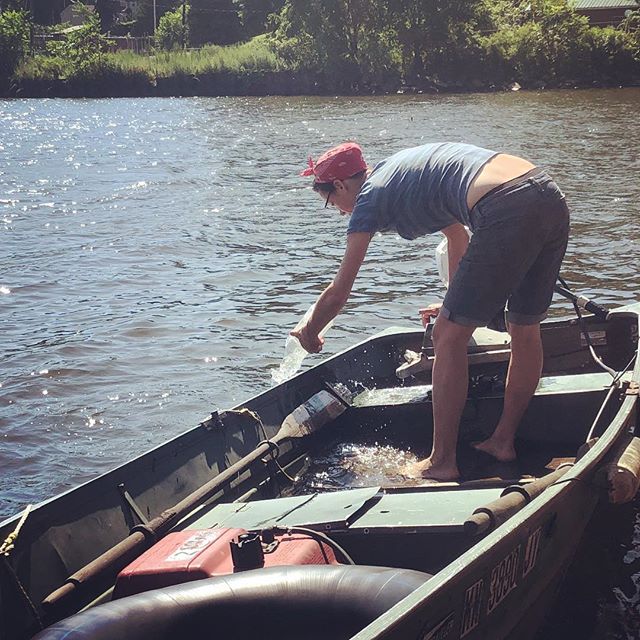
(335, 296)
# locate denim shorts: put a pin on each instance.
(520, 232)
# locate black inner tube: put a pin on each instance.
(288, 602)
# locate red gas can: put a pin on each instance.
(192, 555)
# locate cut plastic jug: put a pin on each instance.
(294, 352)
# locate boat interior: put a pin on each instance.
(354, 482)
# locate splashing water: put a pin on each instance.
(393, 395)
(350, 465)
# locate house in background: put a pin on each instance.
(73, 16)
(604, 13)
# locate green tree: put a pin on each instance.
(552, 47)
(350, 40)
(256, 14)
(214, 22)
(507, 13)
(613, 55)
(631, 26)
(14, 42)
(172, 32)
(556, 46)
(426, 38)
(439, 38)
(81, 51)
(143, 15)
(564, 36)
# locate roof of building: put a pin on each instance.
(605, 4)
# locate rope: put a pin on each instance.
(249, 412)
(273, 445)
(9, 543)
(5, 550)
(23, 592)
(283, 472)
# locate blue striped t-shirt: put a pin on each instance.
(419, 190)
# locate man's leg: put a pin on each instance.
(523, 376)
(450, 381)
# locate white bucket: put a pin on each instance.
(442, 259)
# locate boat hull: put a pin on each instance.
(493, 585)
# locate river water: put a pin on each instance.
(155, 252)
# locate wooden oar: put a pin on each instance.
(306, 419)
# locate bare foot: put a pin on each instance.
(498, 450)
(429, 471)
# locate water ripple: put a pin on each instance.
(155, 252)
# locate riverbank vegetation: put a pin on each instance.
(325, 46)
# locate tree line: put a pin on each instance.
(475, 43)
(358, 46)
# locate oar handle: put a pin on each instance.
(583, 302)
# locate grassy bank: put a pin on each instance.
(214, 70)
(318, 48)
(253, 56)
(256, 68)
(251, 68)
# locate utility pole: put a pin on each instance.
(155, 22)
(184, 24)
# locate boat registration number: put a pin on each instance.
(502, 580)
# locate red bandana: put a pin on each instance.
(338, 163)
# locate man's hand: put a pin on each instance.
(312, 343)
(429, 312)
